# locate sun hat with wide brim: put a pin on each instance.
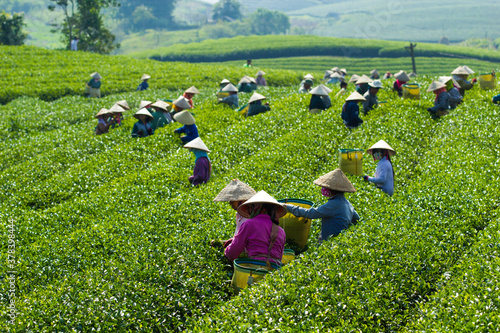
(197, 144)
(354, 78)
(402, 76)
(96, 75)
(256, 97)
(123, 104)
(185, 118)
(144, 112)
(374, 72)
(260, 73)
(230, 88)
(445, 79)
(335, 180)
(308, 77)
(225, 81)
(160, 105)
(263, 198)
(470, 71)
(117, 108)
(236, 190)
(355, 96)
(381, 145)
(320, 90)
(101, 112)
(145, 77)
(182, 103)
(435, 86)
(143, 104)
(460, 71)
(363, 79)
(192, 90)
(376, 84)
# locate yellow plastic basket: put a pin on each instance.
(296, 228)
(222, 95)
(487, 81)
(248, 272)
(411, 91)
(351, 161)
(288, 255)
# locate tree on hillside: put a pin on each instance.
(267, 22)
(11, 29)
(226, 10)
(83, 19)
(161, 11)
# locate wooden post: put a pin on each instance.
(412, 53)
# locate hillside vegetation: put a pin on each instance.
(110, 236)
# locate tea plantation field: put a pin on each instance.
(111, 237)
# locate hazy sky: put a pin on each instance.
(210, 1)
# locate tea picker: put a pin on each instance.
(142, 128)
(232, 96)
(384, 173)
(371, 99)
(442, 102)
(461, 74)
(189, 128)
(202, 165)
(93, 87)
(144, 84)
(189, 94)
(320, 99)
(350, 110)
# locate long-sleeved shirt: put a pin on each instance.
(160, 119)
(142, 86)
(496, 99)
(371, 102)
(336, 215)
(94, 84)
(245, 87)
(455, 97)
(140, 130)
(102, 128)
(255, 108)
(231, 100)
(202, 171)
(303, 90)
(350, 114)
(261, 81)
(254, 236)
(464, 84)
(191, 132)
(441, 103)
(384, 176)
(320, 102)
(362, 88)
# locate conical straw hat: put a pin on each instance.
(263, 198)
(230, 88)
(236, 190)
(192, 90)
(101, 112)
(374, 72)
(336, 75)
(413, 74)
(459, 71)
(160, 105)
(363, 79)
(225, 81)
(256, 97)
(335, 180)
(376, 84)
(244, 79)
(197, 144)
(145, 77)
(381, 145)
(123, 104)
(143, 104)
(402, 76)
(335, 70)
(182, 103)
(252, 80)
(320, 90)
(185, 118)
(259, 73)
(96, 75)
(445, 79)
(354, 78)
(343, 71)
(328, 73)
(356, 96)
(435, 86)
(143, 112)
(117, 108)
(308, 77)
(470, 71)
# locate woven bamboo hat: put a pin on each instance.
(143, 104)
(252, 80)
(263, 198)
(381, 145)
(101, 112)
(335, 69)
(96, 75)
(225, 81)
(328, 73)
(470, 71)
(356, 96)
(259, 73)
(343, 71)
(335, 180)
(244, 79)
(459, 71)
(308, 77)
(435, 86)
(230, 88)
(445, 79)
(160, 105)
(145, 77)
(256, 97)
(354, 78)
(185, 118)
(192, 90)
(336, 75)
(182, 103)
(320, 90)
(197, 144)
(236, 190)
(376, 84)
(363, 79)
(402, 76)
(143, 112)
(123, 104)
(374, 72)
(117, 108)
